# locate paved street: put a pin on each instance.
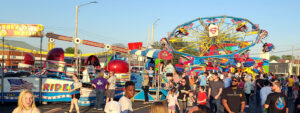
(138, 107)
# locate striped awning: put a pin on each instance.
(153, 53)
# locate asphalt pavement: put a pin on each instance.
(138, 107)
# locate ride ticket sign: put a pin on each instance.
(21, 30)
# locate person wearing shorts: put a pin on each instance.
(111, 87)
(172, 101)
(169, 70)
(110, 94)
(75, 94)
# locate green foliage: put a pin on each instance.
(287, 57)
(71, 50)
(156, 45)
(274, 57)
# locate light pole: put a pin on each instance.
(76, 32)
(153, 30)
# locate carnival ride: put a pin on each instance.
(218, 43)
(53, 83)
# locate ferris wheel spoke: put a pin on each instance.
(190, 45)
(187, 37)
(199, 29)
(249, 33)
(227, 26)
(203, 25)
(222, 21)
(231, 29)
(196, 32)
(206, 46)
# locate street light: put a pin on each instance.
(153, 30)
(76, 32)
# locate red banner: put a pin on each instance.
(135, 45)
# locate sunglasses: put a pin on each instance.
(234, 81)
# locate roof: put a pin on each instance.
(279, 67)
(288, 61)
(20, 44)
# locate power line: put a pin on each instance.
(276, 51)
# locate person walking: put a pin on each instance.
(214, 92)
(111, 86)
(145, 87)
(233, 98)
(75, 92)
(100, 85)
(276, 102)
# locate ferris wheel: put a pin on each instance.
(214, 37)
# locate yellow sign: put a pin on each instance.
(21, 30)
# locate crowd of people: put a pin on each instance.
(227, 92)
(189, 91)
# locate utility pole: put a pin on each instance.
(76, 41)
(298, 63)
(292, 59)
(75, 46)
(153, 31)
(148, 38)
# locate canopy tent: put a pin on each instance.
(153, 53)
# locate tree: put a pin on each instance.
(287, 57)
(71, 50)
(274, 57)
(119, 45)
(156, 45)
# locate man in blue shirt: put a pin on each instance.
(227, 81)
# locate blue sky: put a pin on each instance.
(123, 21)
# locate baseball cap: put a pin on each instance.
(112, 107)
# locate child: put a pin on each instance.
(202, 96)
(151, 73)
(191, 100)
(172, 101)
